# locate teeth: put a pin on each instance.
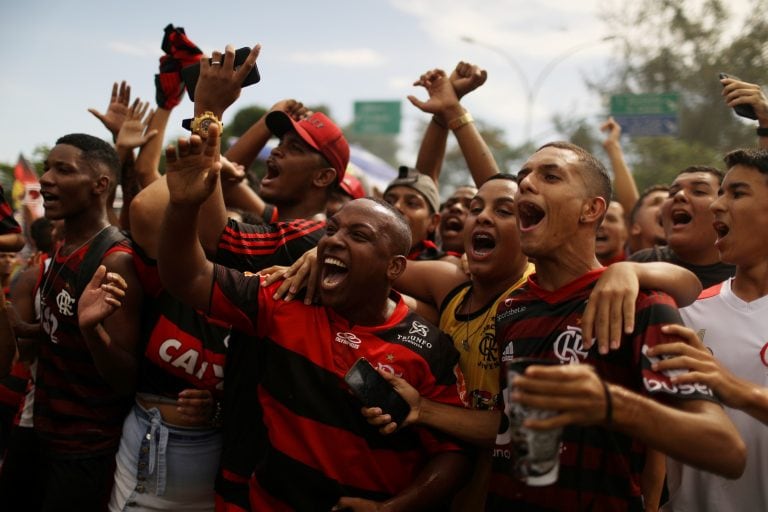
(334, 261)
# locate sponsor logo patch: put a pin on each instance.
(349, 339)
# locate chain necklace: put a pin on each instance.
(468, 300)
(43, 291)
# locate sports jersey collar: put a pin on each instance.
(566, 291)
(397, 316)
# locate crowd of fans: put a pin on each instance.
(188, 350)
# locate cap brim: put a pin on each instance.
(279, 122)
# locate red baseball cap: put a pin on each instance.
(352, 186)
(319, 132)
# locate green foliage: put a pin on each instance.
(384, 146)
(679, 45)
(455, 173)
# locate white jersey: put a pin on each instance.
(737, 333)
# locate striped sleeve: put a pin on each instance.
(253, 247)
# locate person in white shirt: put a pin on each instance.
(726, 345)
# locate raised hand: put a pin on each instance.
(117, 110)
(231, 172)
(737, 92)
(293, 108)
(220, 83)
(613, 131)
(441, 93)
(467, 77)
(133, 133)
(193, 169)
(101, 297)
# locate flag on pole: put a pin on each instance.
(26, 186)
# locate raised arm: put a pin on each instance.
(737, 92)
(623, 182)
(465, 78)
(134, 133)
(117, 109)
(444, 102)
(193, 172)
(217, 88)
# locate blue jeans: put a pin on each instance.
(164, 467)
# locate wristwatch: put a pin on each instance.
(200, 124)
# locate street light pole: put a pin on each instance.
(532, 89)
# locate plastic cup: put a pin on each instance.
(534, 454)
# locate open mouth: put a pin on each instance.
(333, 272)
(48, 197)
(529, 214)
(680, 218)
(272, 170)
(601, 238)
(453, 224)
(482, 244)
(721, 229)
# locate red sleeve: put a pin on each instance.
(654, 310)
(235, 298)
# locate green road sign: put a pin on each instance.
(377, 117)
(665, 103)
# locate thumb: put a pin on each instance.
(416, 102)
(213, 176)
(96, 113)
(149, 136)
(98, 277)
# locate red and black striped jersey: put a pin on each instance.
(599, 468)
(182, 348)
(76, 410)
(252, 247)
(317, 446)
(7, 223)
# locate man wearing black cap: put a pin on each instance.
(415, 195)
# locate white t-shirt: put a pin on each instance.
(737, 333)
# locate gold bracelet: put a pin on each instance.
(455, 124)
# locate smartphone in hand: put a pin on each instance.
(741, 110)
(190, 74)
(371, 388)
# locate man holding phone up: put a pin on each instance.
(320, 451)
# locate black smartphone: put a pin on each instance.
(374, 391)
(747, 111)
(190, 74)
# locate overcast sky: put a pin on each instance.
(62, 57)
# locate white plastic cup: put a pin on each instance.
(535, 454)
